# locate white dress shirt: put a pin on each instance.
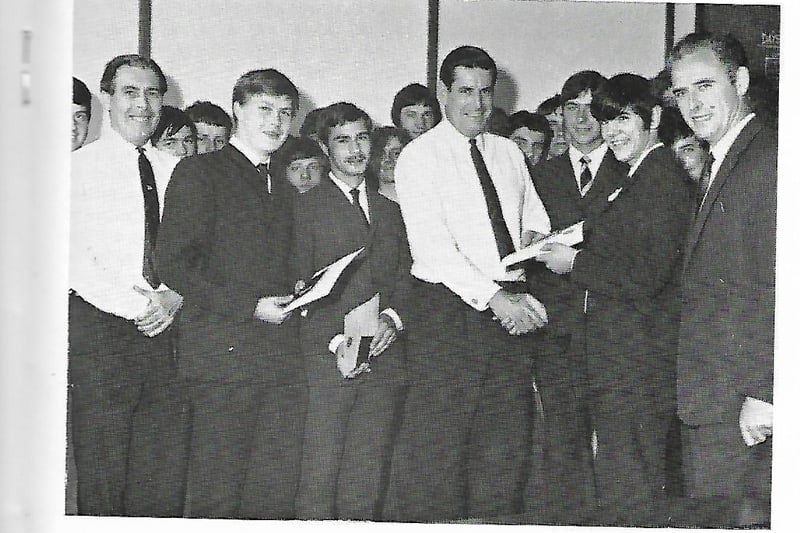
(445, 212)
(595, 158)
(107, 222)
(364, 204)
(723, 146)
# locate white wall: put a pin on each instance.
(362, 51)
(539, 44)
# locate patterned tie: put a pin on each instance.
(705, 180)
(151, 219)
(502, 237)
(357, 205)
(586, 173)
(263, 169)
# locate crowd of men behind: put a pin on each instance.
(559, 388)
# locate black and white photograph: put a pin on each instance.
(375, 263)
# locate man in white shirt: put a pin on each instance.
(467, 201)
(725, 357)
(119, 345)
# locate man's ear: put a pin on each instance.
(742, 80)
(105, 99)
(655, 118)
(441, 92)
(324, 146)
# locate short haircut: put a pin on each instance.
(379, 138)
(534, 122)
(623, 92)
(267, 81)
(579, 82)
(81, 95)
(727, 48)
(468, 57)
(339, 114)
(311, 122)
(208, 113)
(673, 127)
(171, 121)
(293, 149)
(549, 106)
(130, 60)
(415, 94)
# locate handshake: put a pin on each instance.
(518, 313)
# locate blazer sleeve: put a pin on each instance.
(397, 287)
(185, 245)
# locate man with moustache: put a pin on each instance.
(467, 201)
(120, 349)
(725, 357)
(571, 186)
(225, 242)
(349, 428)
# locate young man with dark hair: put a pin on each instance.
(301, 162)
(213, 126)
(120, 309)
(532, 133)
(725, 359)
(415, 109)
(350, 424)
(467, 201)
(551, 108)
(572, 186)
(81, 112)
(689, 150)
(176, 133)
(225, 242)
(628, 269)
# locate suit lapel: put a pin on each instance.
(608, 179)
(725, 170)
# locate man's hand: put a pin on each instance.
(270, 309)
(384, 336)
(529, 237)
(160, 311)
(755, 421)
(518, 313)
(557, 257)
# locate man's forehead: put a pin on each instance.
(472, 76)
(135, 76)
(416, 107)
(354, 127)
(584, 97)
(683, 142)
(699, 63)
(275, 100)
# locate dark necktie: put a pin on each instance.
(357, 205)
(502, 237)
(705, 180)
(263, 169)
(151, 219)
(586, 173)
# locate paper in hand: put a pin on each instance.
(323, 281)
(568, 236)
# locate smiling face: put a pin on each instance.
(348, 150)
(468, 102)
(626, 135)
(417, 119)
(711, 104)
(263, 121)
(134, 105)
(581, 129)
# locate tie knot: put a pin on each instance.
(262, 168)
(354, 193)
(585, 160)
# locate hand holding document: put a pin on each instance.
(360, 326)
(322, 282)
(568, 236)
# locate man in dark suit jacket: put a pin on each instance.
(628, 267)
(567, 466)
(349, 428)
(725, 361)
(225, 241)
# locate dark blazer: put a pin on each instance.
(223, 243)
(327, 227)
(555, 183)
(728, 296)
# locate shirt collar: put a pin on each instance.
(248, 152)
(455, 134)
(638, 162)
(595, 157)
(721, 148)
(345, 188)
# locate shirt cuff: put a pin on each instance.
(391, 313)
(572, 263)
(338, 339)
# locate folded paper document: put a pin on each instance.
(323, 282)
(568, 236)
(360, 326)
